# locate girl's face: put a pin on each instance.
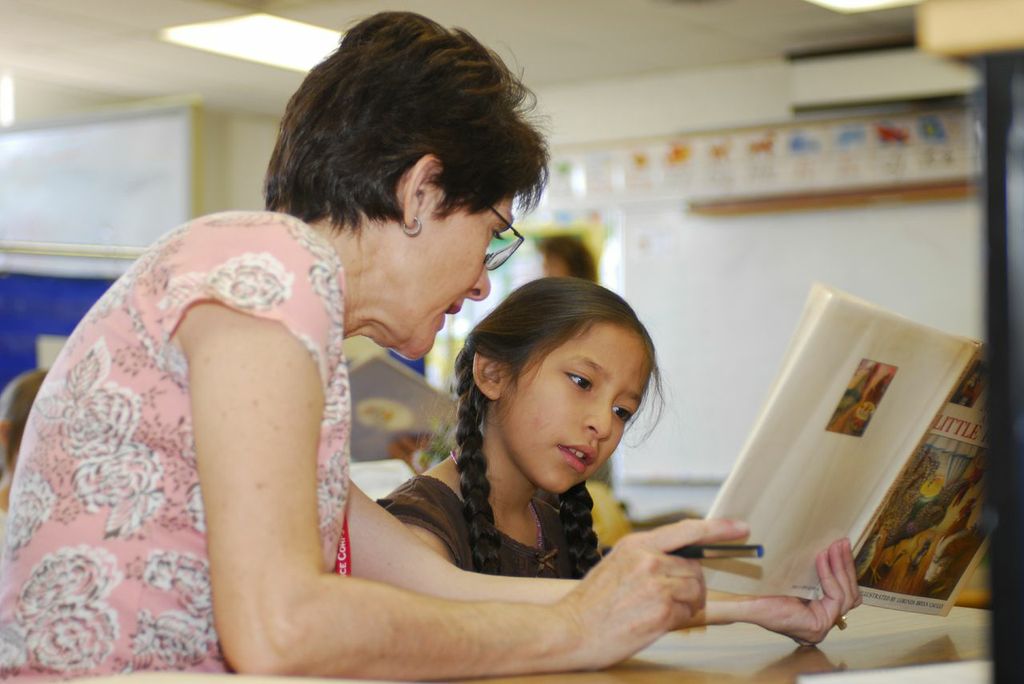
(567, 413)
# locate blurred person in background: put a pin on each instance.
(15, 402)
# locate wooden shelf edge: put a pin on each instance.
(924, 192)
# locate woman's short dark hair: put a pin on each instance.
(401, 86)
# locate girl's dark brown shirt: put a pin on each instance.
(427, 502)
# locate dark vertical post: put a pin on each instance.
(1003, 158)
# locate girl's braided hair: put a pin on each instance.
(533, 321)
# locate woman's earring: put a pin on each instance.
(414, 230)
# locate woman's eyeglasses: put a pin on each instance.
(496, 258)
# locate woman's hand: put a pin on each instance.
(808, 622)
(638, 592)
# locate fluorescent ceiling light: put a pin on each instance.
(850, 6)
(259, 38)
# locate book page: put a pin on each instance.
(858, 389)
(962, 672)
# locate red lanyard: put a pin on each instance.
(343, 562)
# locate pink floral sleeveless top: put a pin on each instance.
(105, 567)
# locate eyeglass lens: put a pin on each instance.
(496, 258)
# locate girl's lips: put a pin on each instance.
(573, 460)
(454, 309)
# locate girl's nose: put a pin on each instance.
(600, 423)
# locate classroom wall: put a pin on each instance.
(751, 93)
(730, 291)
(722, 295)
(36, 100)
(236, 147)
(235, 151)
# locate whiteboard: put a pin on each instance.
(722, 296)
(80, 197)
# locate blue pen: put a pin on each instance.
(719, 551)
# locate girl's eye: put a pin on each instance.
(623, 414)
(580, 381)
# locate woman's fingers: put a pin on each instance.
(841, 563)
(850, 571)
(838, 580)
(688, 532)
(830, 586)
(686, 585)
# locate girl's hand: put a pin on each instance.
(638, 592)
(808, 622)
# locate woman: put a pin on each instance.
(183, 482)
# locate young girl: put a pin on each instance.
(547, 384)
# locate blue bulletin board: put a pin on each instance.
(39, 305)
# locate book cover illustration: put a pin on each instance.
(390, 400)
(857, 396)
(928, 534)
(861, 398)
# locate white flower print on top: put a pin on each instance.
(332, 489)
(69, 627)
(72, 638)
(181, 290)
(97, 421)
(12, 648)
(324, 279)
(172, 640)
(176, 638)
(73, 575)
(337, 405)
(117, 295)
(184, 574)
(252, 282)
(128, 484)
(34, 499)
(96, 418)
(194, 508)
(113, 463)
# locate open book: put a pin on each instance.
(874, 431)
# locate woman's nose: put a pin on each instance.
(482, 286)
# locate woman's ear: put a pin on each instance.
(490, 376)
(418, 193)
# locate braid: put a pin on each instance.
(574, 508)
(476, 489)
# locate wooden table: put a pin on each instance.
(876, 637)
